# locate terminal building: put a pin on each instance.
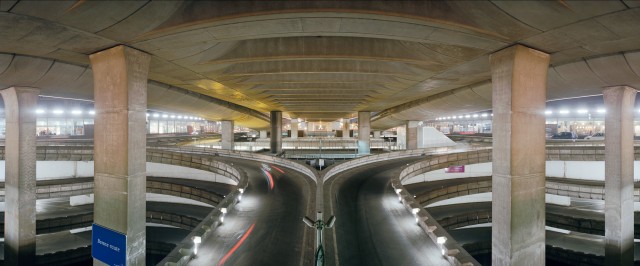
(319, 132)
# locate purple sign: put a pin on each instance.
(454, 169)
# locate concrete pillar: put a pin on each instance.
(294, 128)
(412, 134)
(376, 134)
(519, 79)
(618, 156)
(120, 92)
(364, 129)
(227, 135)
(401, 137)
(276, 131)
(20, 175)
(263, 134)
(345, 129)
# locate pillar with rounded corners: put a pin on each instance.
(414, 129)
(364, 131)
(120, 92)
(276, 132)
(618, 159)
(20, 175)
(294, 128)
(519, 80)
(345, 129)
(227, 138)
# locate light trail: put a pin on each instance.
(236, 246)
(279, 170)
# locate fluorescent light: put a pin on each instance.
(415, 210)
(173, 116)
(179, 117)
(165, 115)
(601, 111)
(548, 112)
(441, 239)
(39, 111)
(564, 112)
(76, 112)
(467, 116)
(156, 115)
(582, 111)
(58, 112)
(147, 114)
(475, 115)
(484, 115)
(92, 112)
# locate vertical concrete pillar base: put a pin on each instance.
(276, 132)
(120, 91)
(227, 139)
(519, 79)
(619, 156)
(20, 175)
(364, 131)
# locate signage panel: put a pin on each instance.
(454, 169)
(108, 246)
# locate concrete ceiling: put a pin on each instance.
(320, 60)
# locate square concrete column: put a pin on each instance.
(401, 137)
(227, 139)
(20, 175)
(120, 92)
(412, 134)
(618, 158)
(263, 134)
(519, 79)
(294, 128)
(345, 129)
(364, 130)
(276, 131)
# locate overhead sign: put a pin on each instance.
(454, 169)
(108, 246)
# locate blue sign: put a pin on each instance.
(108, 246)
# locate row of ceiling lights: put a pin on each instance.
(464, 116)
(547, 112)
(92, 112)
(172, 116)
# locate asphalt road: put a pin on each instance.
(266, 227)
(372, 227)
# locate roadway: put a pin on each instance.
(266, 227)
(372, 227)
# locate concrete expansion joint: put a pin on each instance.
(121, 177)
(529, 176)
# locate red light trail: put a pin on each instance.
(236, 246)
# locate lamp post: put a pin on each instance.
(319, 225)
